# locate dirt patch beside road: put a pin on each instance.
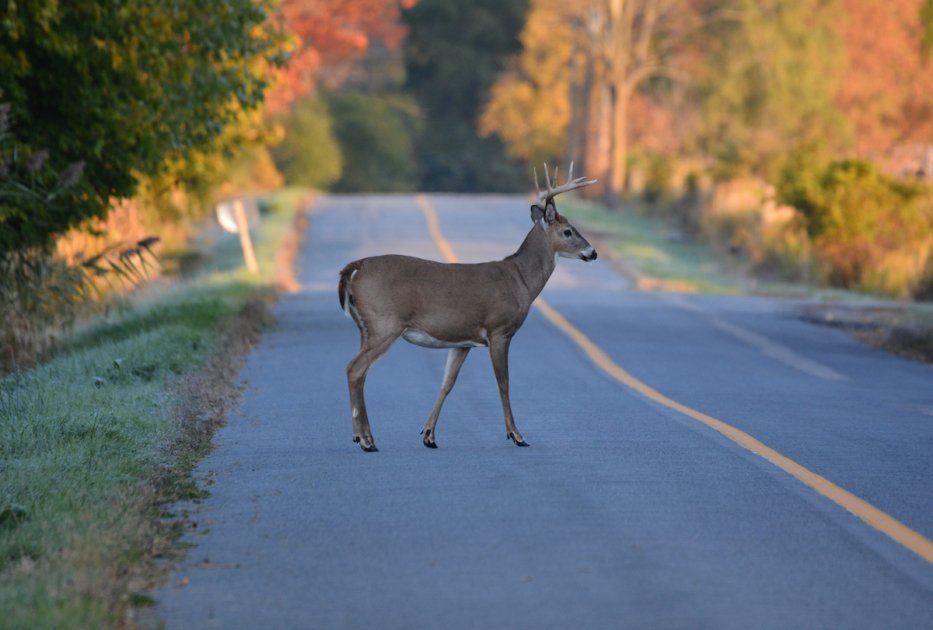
(904, 330)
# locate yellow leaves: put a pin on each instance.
(529, 105)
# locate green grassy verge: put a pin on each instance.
(648, 250)
(652, 252)
(658, 257)
(93, 441)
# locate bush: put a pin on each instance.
(865, 226)
(375, 135)
(784, 253)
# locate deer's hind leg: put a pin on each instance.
(371, 348)
(455, 359)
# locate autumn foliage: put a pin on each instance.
(327, 34)
(887, 88)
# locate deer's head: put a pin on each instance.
(563, 239)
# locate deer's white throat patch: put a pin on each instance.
(423, 339)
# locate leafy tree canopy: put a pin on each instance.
(375, 135)
(453, 54)
(769, 82)
(124, 88)
(309, 154)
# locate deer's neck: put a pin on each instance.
(535, 261)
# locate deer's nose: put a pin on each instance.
(589, 255)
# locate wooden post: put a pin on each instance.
(249, 256)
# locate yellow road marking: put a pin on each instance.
(882, 521)
(434, 229)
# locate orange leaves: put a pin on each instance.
(330, 33)
(886, 87)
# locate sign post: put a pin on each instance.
(235, 216)
(249, 256)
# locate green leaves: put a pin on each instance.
(769, 82)
(859, 219)
(124, 88)
(926, 22)
(453, 54)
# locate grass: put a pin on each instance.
(653, 253)
(656, 257)
(93, 441)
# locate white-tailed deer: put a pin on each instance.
(455, 306)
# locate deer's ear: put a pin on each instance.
(536, 213)
(549, 213)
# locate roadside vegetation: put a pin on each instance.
(740, 145)
(96, 440)
(647, 243)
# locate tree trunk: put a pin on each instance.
(573, 150)
(597, 142)
(618, 150)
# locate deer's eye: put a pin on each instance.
(568, 233)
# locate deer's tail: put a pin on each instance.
(345, 291)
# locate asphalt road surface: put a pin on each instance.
(625, 512)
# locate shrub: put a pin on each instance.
(861, 222)
(784, 252)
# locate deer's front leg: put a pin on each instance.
(499, 353)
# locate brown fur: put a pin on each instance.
(456, 306)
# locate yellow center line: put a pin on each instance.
(882, 521)
(434, 229)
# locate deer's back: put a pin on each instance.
(444, 300)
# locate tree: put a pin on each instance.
(309, 154)
(767, 85)
(887, 107)
(636, 40)
(327, 34)
(375, 136)
(126, 89)
(453, 54)
(926, 25)
(529, 105)
(572, 90)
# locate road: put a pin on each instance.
(626, 512)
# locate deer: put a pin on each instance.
(455, 306)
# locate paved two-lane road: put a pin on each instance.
(623, 513)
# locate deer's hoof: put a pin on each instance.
(518, 441)
(367, 444)
(428, 439)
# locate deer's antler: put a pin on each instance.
(551, 191)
